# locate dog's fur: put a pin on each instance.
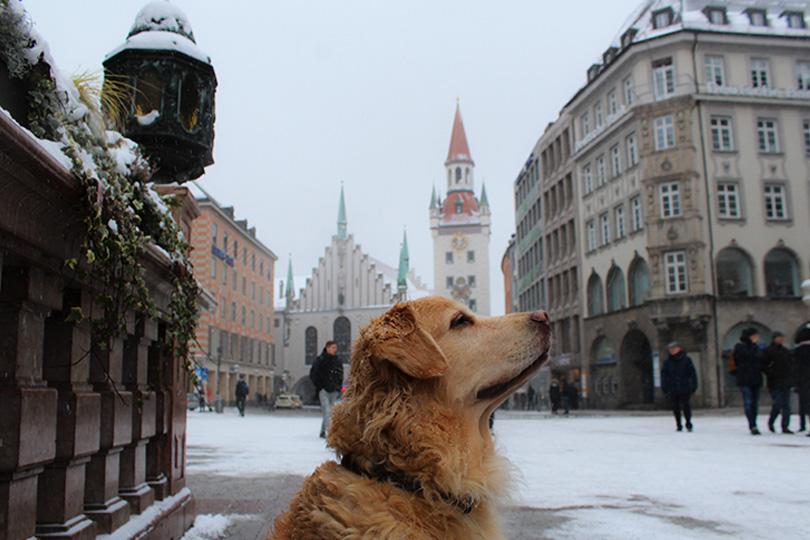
(425, 377)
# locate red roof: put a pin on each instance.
(469, 207)
(459, 151)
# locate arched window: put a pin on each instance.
(615, 289)
(310, 344)
(342, 330)
(639, 276)
(734, 273)
(781, 273)
(467, 175)
(148, 93)
(458, 175)
(459, 205)
(596, 295)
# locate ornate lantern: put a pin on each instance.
(169, 84)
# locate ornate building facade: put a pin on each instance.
(460, 226)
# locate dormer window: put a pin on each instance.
(716, 15)
(609, 55)
(627, 37)
(795, 19)
(459, 205)
(593, 71)
(662, 18)
(758, 17)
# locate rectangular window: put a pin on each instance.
(717, 16)
(216, 231)
(715, 74)
(235, 278)
(757, 17)
(587, 179)
(601, 173)
(663, 78)
(613, 103)
(604, 229)
(803, 75)
(662, 18)
(448, 257)
(632, 152)
(213, 268)
(664, 132)
(618, 220)
(806, 134)
(775, 207)
(470, 256)
(591, 235)
(670, 200)
(721, 133)
(636, 221)
(449, 282)
(760, 76)
(728, 200)
(627, 87)
(224, 274)
(675, 267)
(616, 160)
(597, 115)
(244, 286)
(795, 20)
(471, 281)
(586, 124)
(233, 311)
(767, 139)
(252, 290)
(222, 309)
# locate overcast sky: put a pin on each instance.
(312, 93)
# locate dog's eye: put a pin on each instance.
(460, 320)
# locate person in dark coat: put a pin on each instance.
(750, 361)
(242, 391)
(679, 382)
(801, 359)
(327, 376)
(779, 369)
(554, 395)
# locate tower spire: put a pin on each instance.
(484, 200)
(459, 150)
(289, 287)
(404, 262)
(433, 200)
(341, 221)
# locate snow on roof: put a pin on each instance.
(162, 16)
(159, 40)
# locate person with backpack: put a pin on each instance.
(327, 376)
(750, 361)
(242, 391)
(679, 382)
(779, 369)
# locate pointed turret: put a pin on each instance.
(484, 201)
(289, 287)
(342, 223)
(459, 150)
(433, 199)
(404, 261)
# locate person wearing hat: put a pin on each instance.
(801, 359)
(679, 382)
(750, 362)
(779, 369)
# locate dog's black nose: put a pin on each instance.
(540, 316)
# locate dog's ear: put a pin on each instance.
(397, 338)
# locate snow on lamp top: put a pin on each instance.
(161, 25)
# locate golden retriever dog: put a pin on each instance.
(417, 459)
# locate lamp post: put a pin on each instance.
(219, 406)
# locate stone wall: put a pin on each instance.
(88, 438)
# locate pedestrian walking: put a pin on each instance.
(801, 358)
(242, 392)
(554, 395)
(749, 360)
(779, 369)
(327, 376)
(679, 381)
(566, 395)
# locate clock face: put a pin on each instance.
(459, 242)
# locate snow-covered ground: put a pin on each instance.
(613, 477)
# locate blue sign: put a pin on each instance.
(222, 255)
(202, 373)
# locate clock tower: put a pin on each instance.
(460, 228)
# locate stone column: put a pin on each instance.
(155, 468)
(133, 487)
(27, 406)
(66, 367)
(101, 501)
